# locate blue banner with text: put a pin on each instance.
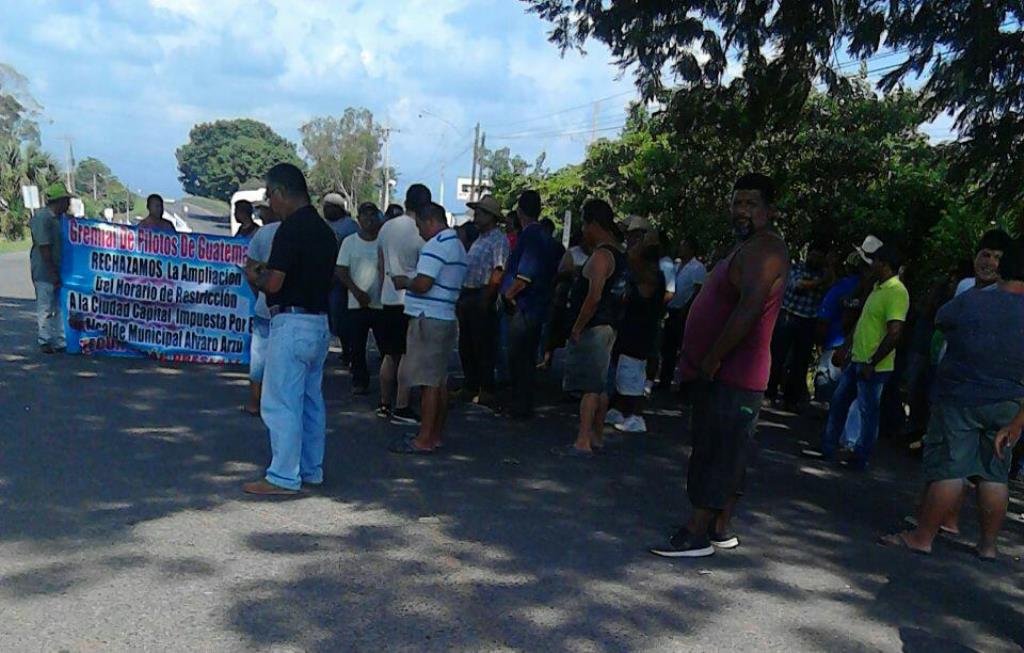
(179, 297)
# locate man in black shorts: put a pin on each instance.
(727, 356)
(400, 245)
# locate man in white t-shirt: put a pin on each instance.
(689, 277)
(259, 253)
(359, 272)
(430, 305)
(400, 243)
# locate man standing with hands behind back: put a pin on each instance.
(727, 351)
(297, 279)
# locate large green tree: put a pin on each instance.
(99, 187)
(220, 156)
(92, 177)
(345, 154)
(968, 53)
(21, 165)
(22, 161)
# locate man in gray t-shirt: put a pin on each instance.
(976, 416)
(45, 259)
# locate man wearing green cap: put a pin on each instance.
(45, 260)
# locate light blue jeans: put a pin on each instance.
(48, 315)
(868, 395)
(258, 349)
(293, 402)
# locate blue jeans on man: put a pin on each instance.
(868, 395)
(292, 406)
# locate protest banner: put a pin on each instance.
(141, 292)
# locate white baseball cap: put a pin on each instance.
(336, 199)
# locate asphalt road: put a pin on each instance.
(122, 528)
(200, 219)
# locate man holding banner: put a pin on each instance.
(297, 280)
(259, 253)
(45, 259)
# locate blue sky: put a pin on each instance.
(127, 79)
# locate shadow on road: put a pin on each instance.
(494, 545)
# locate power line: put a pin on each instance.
(557, 134)
(601, 122)
(563, 111)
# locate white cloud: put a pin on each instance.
(149, 71)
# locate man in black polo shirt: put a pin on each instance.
(297, 280)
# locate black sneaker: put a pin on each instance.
(384, 411)
(723, 540)
(685, 545)
(404, 416)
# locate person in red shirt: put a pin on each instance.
(727, 359)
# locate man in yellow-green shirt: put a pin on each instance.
(870, 362)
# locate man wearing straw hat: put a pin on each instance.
(477, 308)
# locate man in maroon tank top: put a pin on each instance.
(726, 359)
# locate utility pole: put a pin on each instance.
(593, 121)
(69, 163)
(480, 166)
(440, 191)
(94, 193)
(386, 131)
(472, 175)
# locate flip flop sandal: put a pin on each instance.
(570, 451)
(943, 530)
(898, 541)
(412, 436)
(405, 446)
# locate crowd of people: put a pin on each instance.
(635, 314)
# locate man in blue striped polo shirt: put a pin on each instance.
(430, 304)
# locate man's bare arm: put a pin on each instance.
(893, 332)
(420, 285)
(343, 274)
(267, 280)
(760, 267)
(597, 270)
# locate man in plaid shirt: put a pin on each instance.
(793, 340)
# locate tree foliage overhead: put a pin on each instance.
(847, 165)
(222, 155)
(345, 154)
(969, 53)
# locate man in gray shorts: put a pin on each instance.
(596, 301)
(430, 304)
